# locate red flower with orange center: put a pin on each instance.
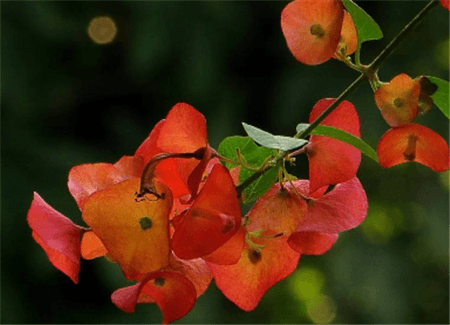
(413, 142)
(312, 29)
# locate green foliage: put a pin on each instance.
(441, 96)
(366, 28)
(269, 140)
(331, 132)
(252, 157)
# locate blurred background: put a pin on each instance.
(67, 100)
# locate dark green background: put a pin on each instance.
(69, 101)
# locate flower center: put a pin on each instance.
(410, 151)
(159, 281)
(398, 103)
(145, 223)
(254, 255)
(317, 31)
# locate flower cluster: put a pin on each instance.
(170, 216)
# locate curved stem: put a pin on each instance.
(400, 36)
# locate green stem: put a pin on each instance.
(394, 43)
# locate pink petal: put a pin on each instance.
(341, 209)
(57, 235)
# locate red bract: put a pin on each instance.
(341, 209)
(57, 235)
(213, 218)
(413, 142)
(332, 161)
(174, 290)
(445, 4)
(246, 282)
(312, 29)
(398, 100)
(183, 131)
(174, 294)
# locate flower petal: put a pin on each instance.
(57, 235)
(130, 166)
(312, 29)
(312, 243)
(84, 180)
(136, 234)
(278, 210)
(246, 282)
(341, 209)
(230, 252)
(91, 246)
(212, 220)
(332, 161)
(195, 270)
(413, 142)
(173, 293)
(148, 149)
(184, 130)
(348, 41)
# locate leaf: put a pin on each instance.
(269, 140)
(254, 156)
(331, 132)
(440, 97)
(260, 186)
(366, 28)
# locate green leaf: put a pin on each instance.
(366, 28)
(260, 186)
(254, 156)
(331, 132)
(441, 96)
(269, 140)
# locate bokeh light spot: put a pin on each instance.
(321, 309)
(306, 283)
(102, 30)
(382, 224)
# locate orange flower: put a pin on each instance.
(398, 100)
(312, 29)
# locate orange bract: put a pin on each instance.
(413, 142)
(246, 282)
(136, 234)
(349, 39)
(312, 29)
(91, 246)
(398, 100)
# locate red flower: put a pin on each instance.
(445, 4)
(398, 100)
(332, 161)
(312, 29)
(413, 142)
